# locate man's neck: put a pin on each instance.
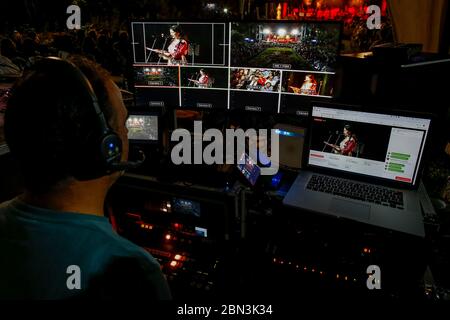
(80, 197)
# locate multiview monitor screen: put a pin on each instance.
(257, 66)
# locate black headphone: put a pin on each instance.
(108, 145)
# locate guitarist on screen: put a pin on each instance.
(177, 50)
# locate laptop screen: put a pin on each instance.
(373, 144)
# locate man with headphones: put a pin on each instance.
(65, 127)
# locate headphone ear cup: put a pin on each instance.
(111, 151)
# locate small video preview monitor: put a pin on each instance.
(143, 128)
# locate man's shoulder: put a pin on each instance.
(125, 245)
(128, 272)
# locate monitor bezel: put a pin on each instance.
(147, 113)
(229, 23)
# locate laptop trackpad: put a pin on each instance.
(349, 209)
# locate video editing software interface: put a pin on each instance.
(258, 66)
(372, 144)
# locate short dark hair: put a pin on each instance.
(50, 124)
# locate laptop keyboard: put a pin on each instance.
(357, 191)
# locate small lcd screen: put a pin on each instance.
(187, 207)
(201, 232)
(142, 128)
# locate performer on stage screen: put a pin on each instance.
(348, 145)
(177, 50)
(203, 80)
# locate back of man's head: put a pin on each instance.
(51, 126)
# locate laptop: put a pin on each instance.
(364, 166)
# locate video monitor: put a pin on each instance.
(143, 128)
(193, 59)
(299, 56)
(256, 66)
(186, 207)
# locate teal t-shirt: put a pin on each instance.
(46, 254)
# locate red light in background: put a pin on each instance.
(285, 9)
(367, 250)
(178, 257)
(173, 264)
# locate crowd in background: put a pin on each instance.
(112, 50)
(319, 57)
(255, 79)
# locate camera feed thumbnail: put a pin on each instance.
(352, 139)
(310, 84)
(204, 87)
(210, 78)
(168, 43)
(255, 79)
(295, 46)
(204, 99)
(157, 97)
(156, 76)
(142, 128)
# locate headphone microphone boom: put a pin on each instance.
(125, 165)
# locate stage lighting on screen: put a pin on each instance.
(281, 32)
